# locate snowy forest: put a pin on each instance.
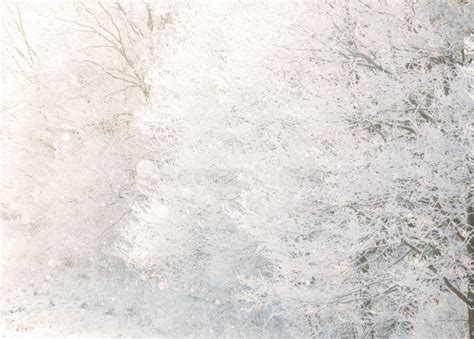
(237, 169)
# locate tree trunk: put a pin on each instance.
(470, 251)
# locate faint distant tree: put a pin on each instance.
(122, 39)
(68, 151)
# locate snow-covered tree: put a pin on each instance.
(241, 169)
(398, 201)
(69, 146)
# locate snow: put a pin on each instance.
(66, 137)
(145, 168)
(161, 211)
(163, 285)
(52, 263)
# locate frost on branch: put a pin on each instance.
(238, 169)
